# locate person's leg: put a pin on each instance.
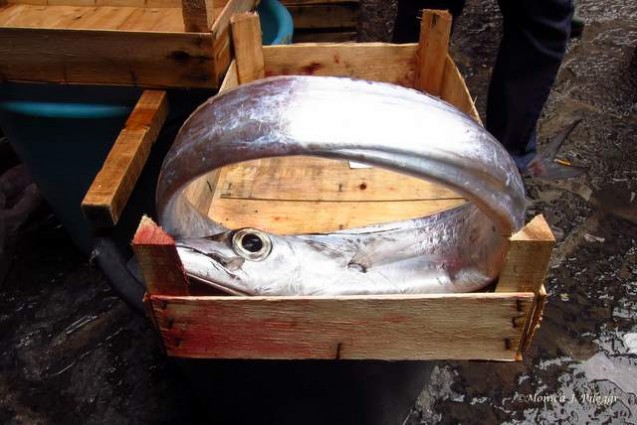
(407, 25)
(531, 51)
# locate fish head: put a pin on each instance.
(246, 261)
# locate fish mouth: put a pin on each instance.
(354, 120)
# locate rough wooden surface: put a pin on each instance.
(248, 51)
(198, 15)
(158, 260)
(118, 3)
(371, 61)
(528, 258)
(533, 323)
(114, 183)
(454, 90)
(465, 326)
(334, 15)
(107, 57)
(435, 30)
(302, 36)
(279, 194)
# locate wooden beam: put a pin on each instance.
(107, 57)
(248, 49)
(390, 327)
(454, 90)
(198, 15)
(528, 258)
(533, 321)
(325, 15)
(435, 30)
(158, 260)
(114, 183)
(345, 60)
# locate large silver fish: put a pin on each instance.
(379, 124)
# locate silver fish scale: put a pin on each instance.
(379, 124)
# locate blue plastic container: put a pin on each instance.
(63, 133)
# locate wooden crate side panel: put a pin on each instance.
(115, 3)
(348, 60)
(107, 57)
(329, 36)
(454, 90)
(463, 326)
(435, 30)
(320, 16)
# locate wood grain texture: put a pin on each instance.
(106, 57)
(391, 327)
(176, 4)
(454, 90)
(114, 183)
(198, 15)
(528, 258)
(325, 15)
(290, 217)
(248, 50)
(279, 194)
(435, 30)
(337, 36)
(92, 18)
(390, 63)
(158, 260)
(534, 320)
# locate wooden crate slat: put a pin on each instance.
(246, 37)
(348, 60)
(117, 3)
(285, 217)
(198, 15)
(324, 16)
(330, 36)
(107, 57)
(114, 183)
(435, 30)
(454, 90)
(330, 180)
(463, 326)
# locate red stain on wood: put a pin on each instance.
(311, 68)
(337, 59)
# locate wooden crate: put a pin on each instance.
(156, 43)
(331, 21)
(289, 195)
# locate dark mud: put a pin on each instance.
(71, 352)
(582, 366)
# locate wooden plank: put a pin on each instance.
(106, 57)
(222, 37)
(198, 15)
(231, 80)
(454, 90)
(533, 321)
(134, 3)
(348, 60)
(289, 217)
(325, 16)
(435, 30)
(528, 258)
(389, 327)
(248, 51)
(114, 183)
(309, 2)
(92, 18)
(289, 178)
(310, 36)
(158, 260)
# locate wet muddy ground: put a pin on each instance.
(71, 352)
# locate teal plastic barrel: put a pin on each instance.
(276, 22)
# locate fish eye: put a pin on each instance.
(252, 244)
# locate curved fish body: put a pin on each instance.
(379, 124)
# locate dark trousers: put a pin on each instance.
(531, 50)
